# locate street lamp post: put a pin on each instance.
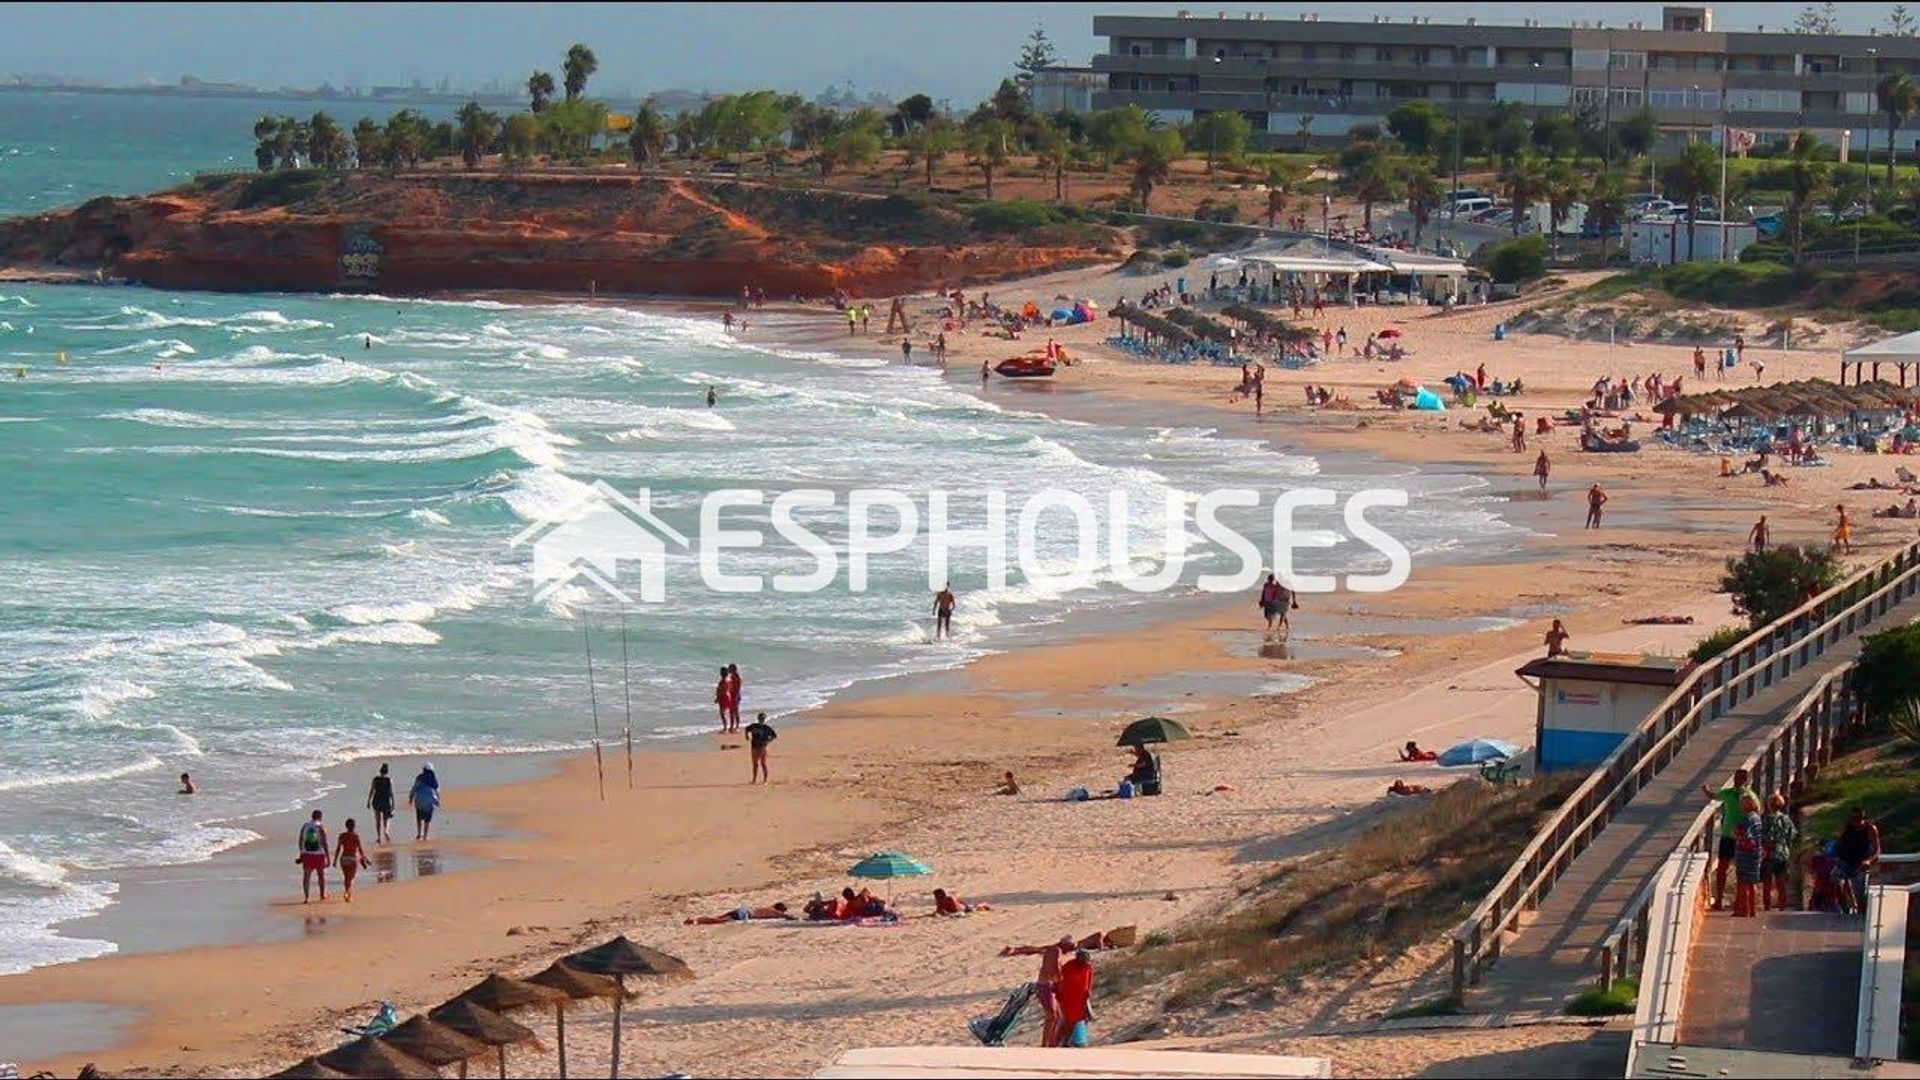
(1453, 202)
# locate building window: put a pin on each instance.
(1172, 87)
(1309, 51)
(1383, 55)
(1346, 52)
(1766, 63)
(1535, 58)
(1136, 50)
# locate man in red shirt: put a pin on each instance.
(1074, 991)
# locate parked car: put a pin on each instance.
(1465, 193)
(1770, 226)
(1469, 206)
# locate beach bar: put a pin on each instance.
(1591, 701)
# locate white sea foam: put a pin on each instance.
(428, 517)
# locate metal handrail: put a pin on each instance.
(1770, 652)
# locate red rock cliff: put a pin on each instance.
(558, 233)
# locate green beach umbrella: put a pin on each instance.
(1153, 729)
(886, 865)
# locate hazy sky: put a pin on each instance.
(952, 50)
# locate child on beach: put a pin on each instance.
(350, 857)
(1777, 833)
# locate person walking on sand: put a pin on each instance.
(723, 699)
(424, 797)
(760, 735)
(1596, 499)
(1519, 436)
(1843, 530)
(853, 320)
(351, 857)
(310, 851)
(1699, 362)
(1758, 535)
(943, 604)
(1731, 816)
(733, 697)
(906, 350)
(1276, 600)
(380, 801)
(1047, 989)
(984, 372)
(1076, 998)
(1541, 468)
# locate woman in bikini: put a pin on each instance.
(350, 857)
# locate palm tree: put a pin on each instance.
(1899, 98)
(987, 147)
(1052, 148)
(1690, 177)
(539, 91)
(648, 139)
(327, 144)
(1562, 191)
(1524, 178)
(476, 132)
(1282, 177)
(1424, 194)
(1375, 178)
(1606, 202)
(1806, 176)
(579, 64)
(1153, 162)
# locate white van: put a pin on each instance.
(1469, 207)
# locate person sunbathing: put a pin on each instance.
(821, 909)
(1401, 787)
(862, 905)
(1772, 478)
(742, 913)
(945, 903)
(1412, 752)
(1091, 943)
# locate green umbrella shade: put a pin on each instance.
(1153, 729)
(889, 864)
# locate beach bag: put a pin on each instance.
(1125, 791)
(1078, 794)
(1081, 1037)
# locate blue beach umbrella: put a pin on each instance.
(1475, 751)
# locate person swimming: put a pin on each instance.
(186, 785)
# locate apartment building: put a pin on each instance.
(1311, 80)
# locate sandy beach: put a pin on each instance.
(1293, 750)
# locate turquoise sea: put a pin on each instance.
(240, 542)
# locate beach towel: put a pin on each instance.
(994, 1030)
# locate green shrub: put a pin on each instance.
(1735, 284)
(1014, 215)
(1175, 259)
(1523, 258)
(283, 187)
(1617, 1001)
(1889, 669)
(1716, 643)
(1767, 584)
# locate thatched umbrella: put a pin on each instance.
(577, 986)
(309, 1069)
(497, 993)
(485, 1025)
(435, 1043)
(621, 958)
(368, 1056)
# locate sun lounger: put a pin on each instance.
(994, 1030)
(383, 1021)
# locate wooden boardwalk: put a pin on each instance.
(1556, 953)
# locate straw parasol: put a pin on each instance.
(309, 1069)
(503, 995)
(621, 958)
(368, 1056)
(577, 986)
(435, 1043)
(485, 1025)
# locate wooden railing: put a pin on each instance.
(1797, 748)
(1750, 667)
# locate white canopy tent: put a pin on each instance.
(1903, 352)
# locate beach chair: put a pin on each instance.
(383, 1021)
(994, 1030)
(1500, 771)
(1905, 475)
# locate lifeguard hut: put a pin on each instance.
(1591, 701)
